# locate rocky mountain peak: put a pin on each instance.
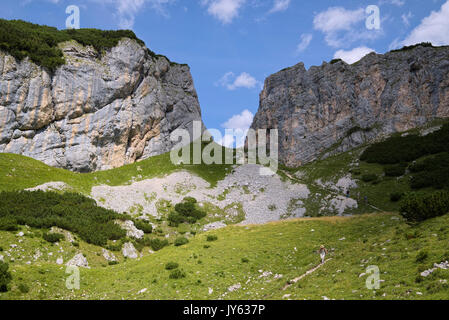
(335, 107)
(96, 111)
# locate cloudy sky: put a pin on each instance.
(233, 45)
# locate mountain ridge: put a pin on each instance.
(336, 107)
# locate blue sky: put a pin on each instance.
(233, 45)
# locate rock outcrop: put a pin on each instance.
(336, 107)
(78, 261)
(96, 112)
(129, 251)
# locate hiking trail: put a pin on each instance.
(289, 283)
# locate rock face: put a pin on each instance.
(96, 112)
(336, 107)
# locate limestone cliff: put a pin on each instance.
(336, 107)
(97, 111)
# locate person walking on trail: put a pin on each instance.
(323, 251)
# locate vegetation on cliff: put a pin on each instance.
(40, 43)
(426, 157)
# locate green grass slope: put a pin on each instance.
(242, 254)
(19, 172)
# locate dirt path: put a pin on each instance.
(289, 283)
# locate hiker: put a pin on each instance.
(323, 251)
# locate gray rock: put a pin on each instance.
(109, 256)
(95, 113)
(131, 230)
(234, 287)
(336, 107)
(214, 226)
(67, 234)
(129, 251)
(78, 261)
(51, 186)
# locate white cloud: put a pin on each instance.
(337, 18)
(240, 124)
(280, 5)
(239, 121)
(434, 29)
(352, 56)
(223, 10)
(338, 25)
(244, 80)
(306, 38)
(128, 9)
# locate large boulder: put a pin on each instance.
(129, 251)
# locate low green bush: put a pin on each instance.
(369, 177)
(113, 263)
(8, 224)
(431, 172)
(189, 200)
(171, 266)
(181, 241)
(421, 256)
(116, 247)
(53, 237)
(157, 244)
(211, 238)
(416, 207)
(333, 61)
(5, 277)
(185, 212)
(138, 245)
(24, 288)
(144, 226)
(177, 274)
(396, 196)
(69, 211)
(437, 286)
(395, 170)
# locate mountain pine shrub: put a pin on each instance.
(416, 207)
(5, 277)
